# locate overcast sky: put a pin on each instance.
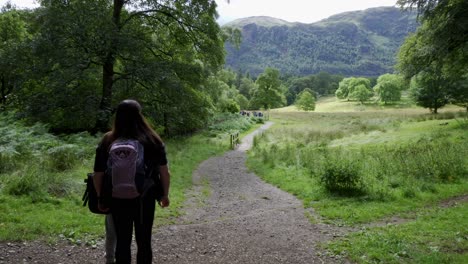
(305, 11)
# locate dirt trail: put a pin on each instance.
(244, 220)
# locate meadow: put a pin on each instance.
(359, 164)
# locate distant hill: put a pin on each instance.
(262, 21)
(360, 43)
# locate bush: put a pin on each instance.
(27, 182)
(342, 177)
(229, 123)
(64, 157)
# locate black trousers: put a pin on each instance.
(126, 214)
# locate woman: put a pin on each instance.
(129, 124)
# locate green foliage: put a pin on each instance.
(354, 88)
(389, 87)
(361, 93)
(230, 106)
(361, 43)
(459, 92)
(13, 53)
(38, 164)
(246, 87)
(88, 56)
(229, 123)
(343, 89)
(322, 83)
(341, 175)
(243, 101)
(437, 48)
(306, 101)
(268, 93)
(427, 89)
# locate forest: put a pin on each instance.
(363, 130)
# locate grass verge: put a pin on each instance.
(438, 236)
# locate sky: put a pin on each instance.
(305, 11)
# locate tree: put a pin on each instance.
(246, 87)
(242, 101)
(448, 26)
(268, 93)
(13, 53)
(440, 43)
(306, 100)
(296, 86)
(389, 87)
(343, 89)
(361, 93)
(459, 92)
(347, 86)
(133, 44)
(427, 89)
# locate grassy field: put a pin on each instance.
(357, 164)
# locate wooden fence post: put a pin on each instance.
(234, 140)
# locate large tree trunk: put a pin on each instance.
(105, 107)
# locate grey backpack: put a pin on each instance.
(126, 167)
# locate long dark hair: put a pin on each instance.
(130, 123)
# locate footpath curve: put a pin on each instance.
(244, 220)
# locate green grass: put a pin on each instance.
(23, 219)
(438, 236)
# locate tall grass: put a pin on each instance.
(231, 123)
(34, 162)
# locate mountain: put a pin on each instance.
(263, 21)
(358, 43)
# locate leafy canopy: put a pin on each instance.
(268, 92)
(389, 87)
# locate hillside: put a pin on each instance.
(360, 43)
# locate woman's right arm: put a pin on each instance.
(98, 179)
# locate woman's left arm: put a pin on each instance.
(165, 177)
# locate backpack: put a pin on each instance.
(137, 180)
(90, 196)
(127, 169)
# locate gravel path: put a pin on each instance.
(242, 220)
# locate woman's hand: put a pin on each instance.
(164, 202)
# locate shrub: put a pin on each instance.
(342, 177)
(64, 157)
(227, 122)
(27, 182)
